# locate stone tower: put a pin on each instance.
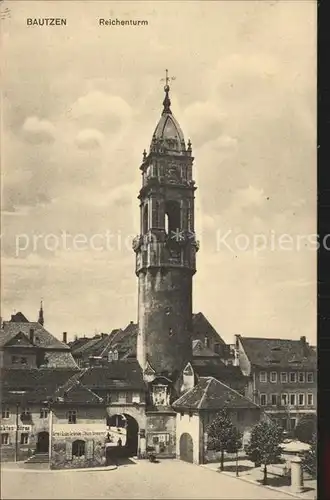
(166, 250)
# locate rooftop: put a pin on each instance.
(266, 352)
(211, 394)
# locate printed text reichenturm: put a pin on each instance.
(46, 21)
(119, 22)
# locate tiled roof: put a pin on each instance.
(74, 344)
(115, 375)
(59, 359)
(278, 352)
(81, 349)
(199, 350)
(202, 327)
(42, 338)
(19, 318)
(210, 394)
(38, 384)
(73, 391)
(218, 370)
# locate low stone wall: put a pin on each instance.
(63, 458)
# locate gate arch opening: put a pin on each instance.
(122, 437)
(186, 448)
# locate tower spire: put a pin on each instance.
(41, 315)
(167, 101)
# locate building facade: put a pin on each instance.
(281, 375)
(198, 407)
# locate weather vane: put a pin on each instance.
(167, 78)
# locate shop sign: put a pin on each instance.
(78, 432)
(24, 428)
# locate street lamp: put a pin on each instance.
(49, 401)
(16, 430)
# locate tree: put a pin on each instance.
(309, 462)
(264, 446)
(223, 436)
(306, 428)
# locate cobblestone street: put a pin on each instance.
(169, 479)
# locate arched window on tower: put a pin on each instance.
(172, 217)
(156, 215)
(145, 219)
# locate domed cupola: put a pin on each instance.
(168, 136)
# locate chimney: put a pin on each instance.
(131, 322)
(65, 338)
(31, 335)
(305, 346)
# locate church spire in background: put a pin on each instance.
(41, 315)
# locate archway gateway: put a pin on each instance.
(186, 448)
(122, 435)
(43, 442)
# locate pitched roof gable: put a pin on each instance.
(19, 318)
(202, 327)
(18, 340)
(266, 352)
(42, 338)
(211, 394)
(73, 391)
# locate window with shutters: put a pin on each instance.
(273, 399)
(5, 413)
(292, 399)
(43, 412)
(263, 399)
(301, 399)
(24, 438)
(72, 416)
(78, 448)
(310, 401)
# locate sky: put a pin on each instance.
(80, 103)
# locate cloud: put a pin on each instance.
(248, 105)
(89, 139)
(101, 111)
(205, 121)
(38, 131)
